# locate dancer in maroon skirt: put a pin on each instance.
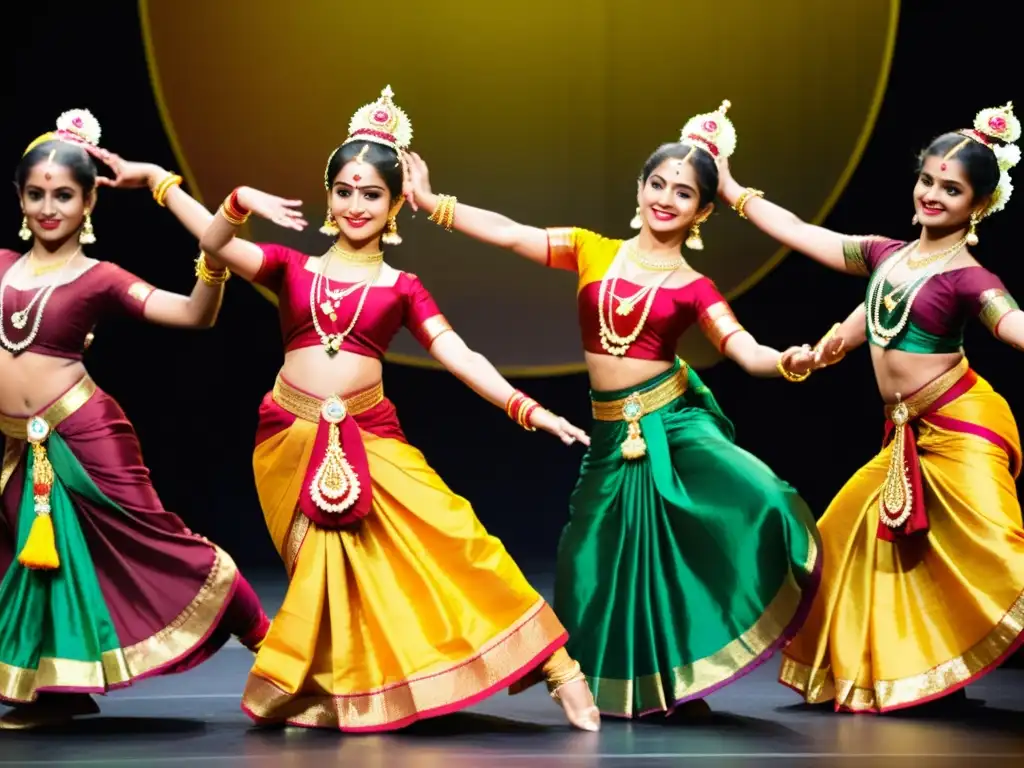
(101, 585)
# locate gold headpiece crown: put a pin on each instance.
(996, 128)
(712, 131)
(381, 122)
(76, 126)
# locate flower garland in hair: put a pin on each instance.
(1000, 124)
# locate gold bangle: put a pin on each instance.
(745, 198)
(160, 190)
(789, 375)
(210, 276)
(444, 213)
(231, 217)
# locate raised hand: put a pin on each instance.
(541, 418)
(417, 185)
(279, 210)
(129, 174)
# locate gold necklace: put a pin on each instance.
(47, 268)
(655, 264)
(931, 258)
(358, 258)
(332, 341)
(611, 341)
(19, 319)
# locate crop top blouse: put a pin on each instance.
(385, 311)
(672, 313)
(62, 325)
(942, 307)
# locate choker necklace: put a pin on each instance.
(357, 258)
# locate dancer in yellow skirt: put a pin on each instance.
(923, 583)
(400, 605)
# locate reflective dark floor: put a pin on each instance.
(194, 720)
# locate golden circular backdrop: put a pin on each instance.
(541, 110)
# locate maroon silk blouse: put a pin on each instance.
(74, 309)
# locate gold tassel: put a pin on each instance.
(897, 494)
(40, 550)
(634, 446)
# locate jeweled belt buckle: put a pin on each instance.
(37, 430)
(333, 410)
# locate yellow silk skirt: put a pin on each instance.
(414, 612)
(896, 624)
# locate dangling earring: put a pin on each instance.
(636, 222)
(972, 235)
(330, 226)
(87, 236)
(693, 241)
(391, 236)
(914, 221)
(25, 233)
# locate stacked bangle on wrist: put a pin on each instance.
(519, 408)
(745, 198)
(166, 184)
(444, 213)
(232, 211)
(210, 276)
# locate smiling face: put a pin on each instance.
(943, 195)
(360, 201)
(669, 199)
(53, 202)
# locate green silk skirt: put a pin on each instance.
(683, 570)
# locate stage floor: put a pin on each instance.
(193, 721)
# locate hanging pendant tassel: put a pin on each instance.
(634, 446)
(896, 499)
(40, 550)
(335, 485)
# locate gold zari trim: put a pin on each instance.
(16, 427)
(926, 397)
(140, 291)
(853, 254)
(434, 326)
(307, 407)
(652, 400)
(648, 693)
(818, 686)
(718, 323)
(995, 304)
(120, 666)
(401, 700)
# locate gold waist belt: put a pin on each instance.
(639, 404)
(309, 408)
(39, 426)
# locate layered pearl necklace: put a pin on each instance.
(611, 341)
(905, 292)
(19, 319)
(321, 287)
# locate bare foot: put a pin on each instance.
(48, 710)
(578, 704)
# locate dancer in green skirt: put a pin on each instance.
(686, 562)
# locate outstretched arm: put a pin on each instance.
(823, 245)
(241, 256)
(197, 310)
(486, 226)
(477, 372)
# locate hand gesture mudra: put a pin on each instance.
(543, 419)
(417, 180)
(279, 210)
(129, 174)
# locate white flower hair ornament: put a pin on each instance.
(78, 127)
(998, 128)
(713, 132)
(380, 122)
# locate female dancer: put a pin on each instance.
(923, 588)
(686, 562)
(101, 585)
(400, 605)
